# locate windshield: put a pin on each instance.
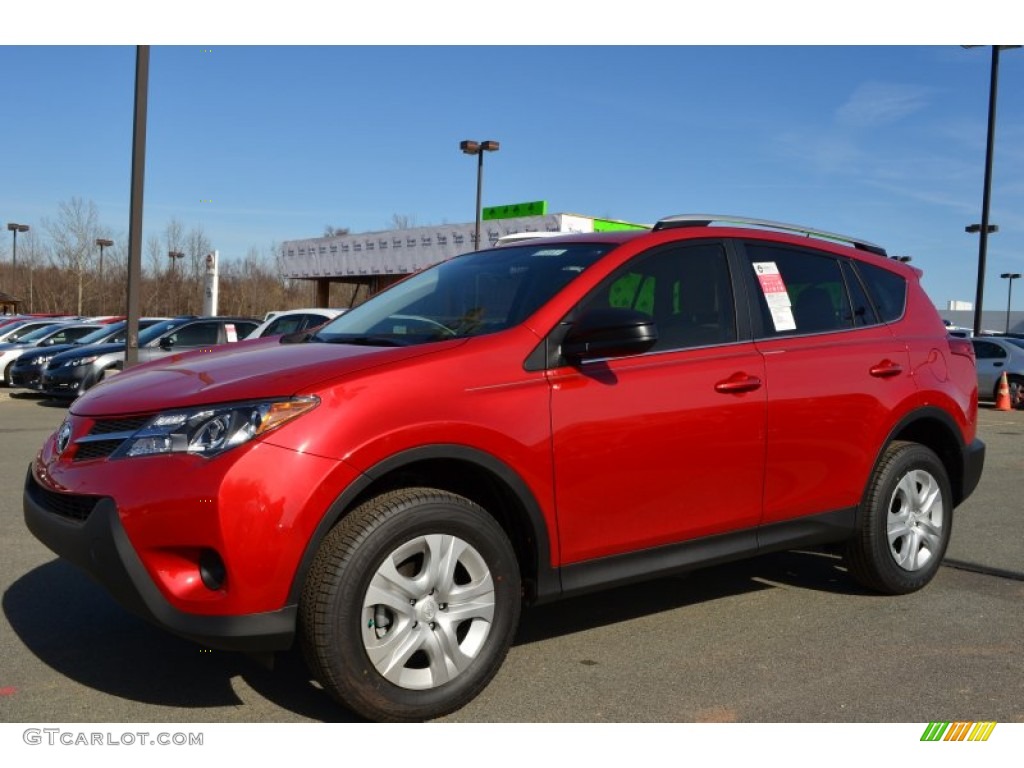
(470, 295)
(102, 334)
(155, 331)
(39, 333)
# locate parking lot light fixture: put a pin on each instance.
(973, 229)
(478, 148)
(174, 256)
(15, 229)
(1009, 277)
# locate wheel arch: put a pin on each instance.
(937, 430)
(468, 472)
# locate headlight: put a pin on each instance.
(211, 430)
(77, 361)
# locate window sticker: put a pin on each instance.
(774, 289)
(231, 331)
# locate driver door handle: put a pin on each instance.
(737, 383)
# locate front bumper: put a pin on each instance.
(29, 378)
(66, 382)
(210, 549)
(99, 545)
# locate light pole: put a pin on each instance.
(1009, 277)
(984, 228)
(174, 256)
(975, 229)
(478, 148)
(103, 243)
(15, 229)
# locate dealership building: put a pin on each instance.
(370, 261)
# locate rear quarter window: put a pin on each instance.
(888, 290)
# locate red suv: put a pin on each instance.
(514, 426)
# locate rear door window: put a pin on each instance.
(799, 291)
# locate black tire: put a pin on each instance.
(108, 372)
(7, 375)
(403, 534)
(905, 521)
(1015, 385)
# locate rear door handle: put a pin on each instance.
(886, 369)
(738, 383)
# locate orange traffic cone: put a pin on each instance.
(1003, 395)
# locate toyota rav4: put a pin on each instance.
(514, 426)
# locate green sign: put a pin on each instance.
(611, 225)
(514, 211)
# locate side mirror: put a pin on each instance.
(166, 343)
(609, 333)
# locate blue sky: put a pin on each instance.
(258, 144)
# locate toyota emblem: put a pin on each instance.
(63, 436)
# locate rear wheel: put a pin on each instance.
(1015, 384)
(905, 521)
(411, 605)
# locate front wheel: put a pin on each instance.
(411, 605)
(905, 521)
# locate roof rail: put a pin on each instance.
(705, 219)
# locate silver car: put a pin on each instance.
(998, 355)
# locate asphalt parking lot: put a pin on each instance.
(783, 638)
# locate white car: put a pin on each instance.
(995, 356)
(292, 321)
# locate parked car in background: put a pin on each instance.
(72, 372)
(27, 370)
(518, 425)
(47, 336)
(293, 321)
(997, 355)
(18, 329)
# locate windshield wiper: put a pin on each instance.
(365, 341)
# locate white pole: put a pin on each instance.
(210, 295)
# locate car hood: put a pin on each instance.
(50, 351)
(82, 350)
(246, 370)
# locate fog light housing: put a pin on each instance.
(212, 570)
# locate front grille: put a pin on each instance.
(97, 450)
(94, 446)
(71, 506)
(130, 424)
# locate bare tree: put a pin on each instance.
(73, 238)
(197, 245)
(402, 221)
(330, 231)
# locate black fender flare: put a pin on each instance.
(548, 582)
